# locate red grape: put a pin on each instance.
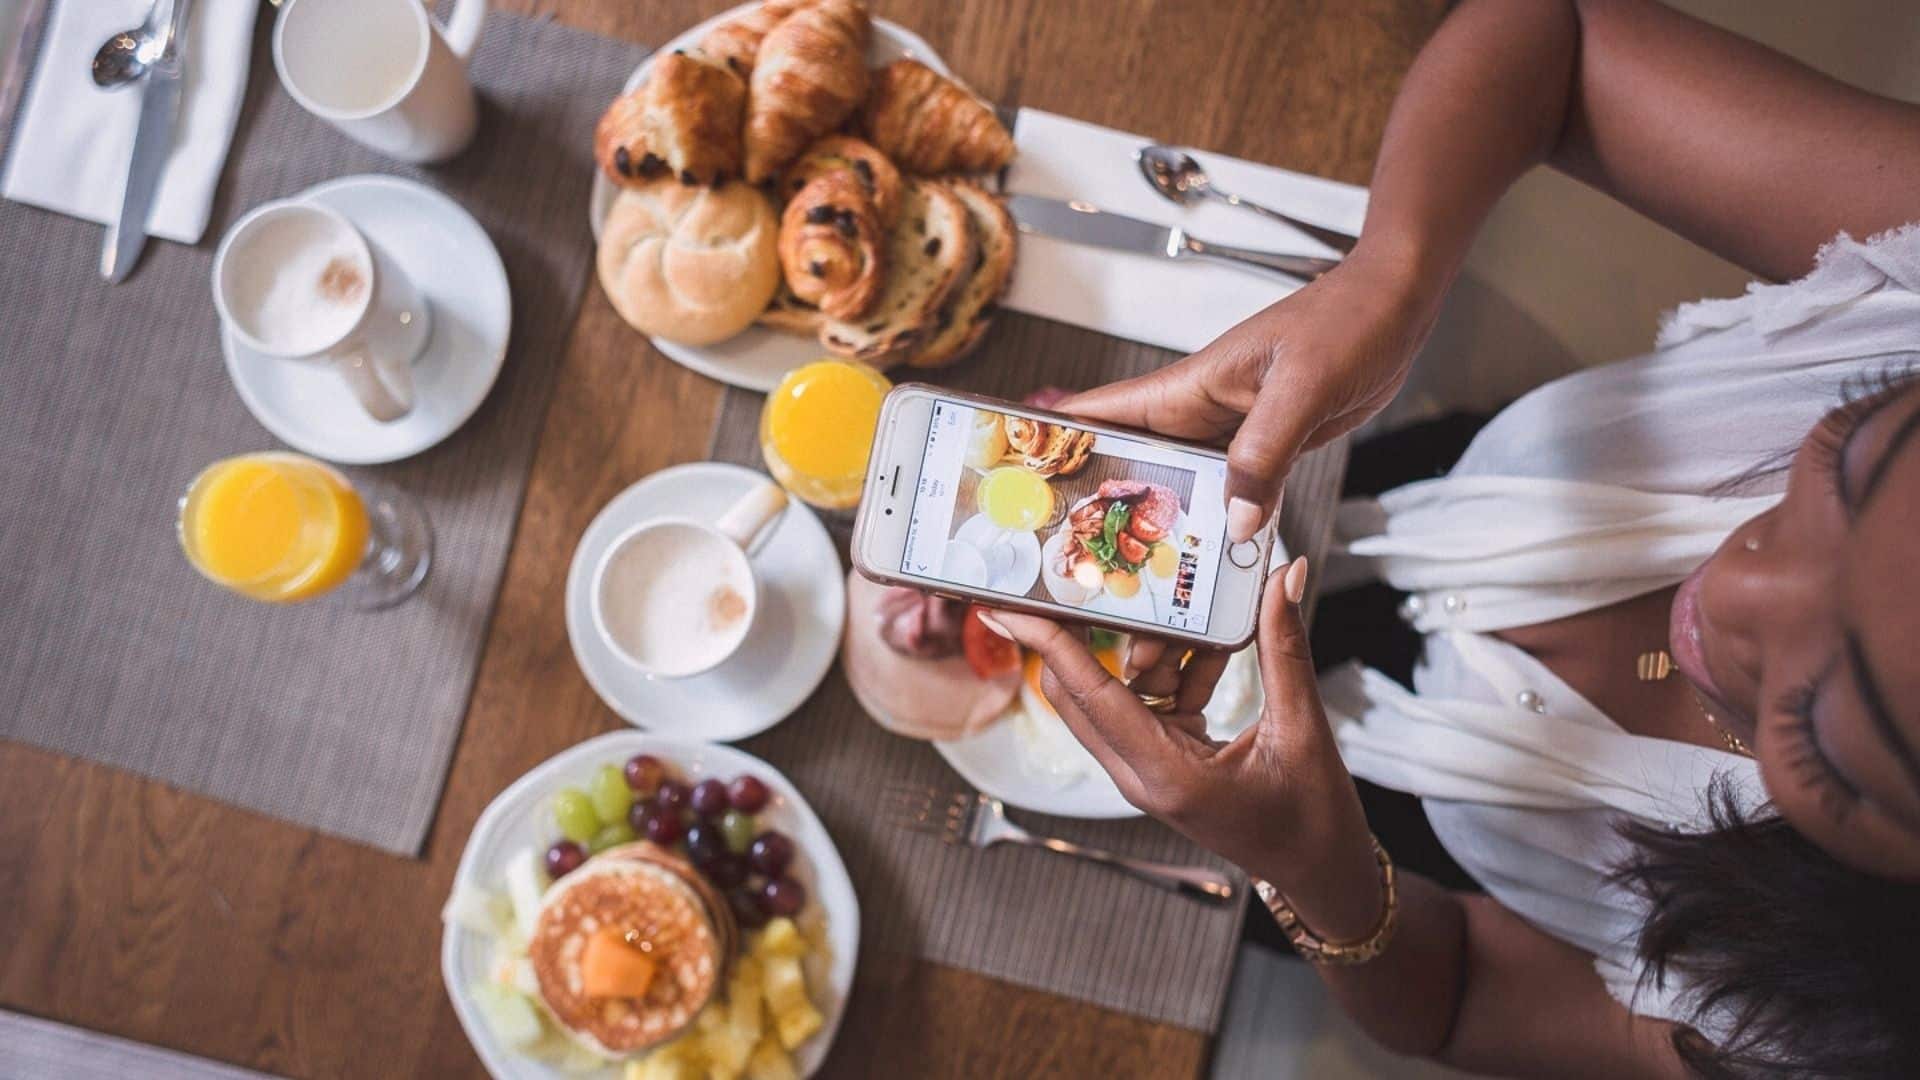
(709, 798)
(748, 794)
(662, 827)
(672, 795)
(782, 896)
(771, 853)
(746, 909)
(563, 858)
(644, 773)
(726, 871)
(704, 843)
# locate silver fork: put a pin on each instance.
(981, 821)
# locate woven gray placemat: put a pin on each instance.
(113, 397)
(1026, 916)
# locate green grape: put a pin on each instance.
(739, 830)
(610, 794)
(573, 812)
(610, 836)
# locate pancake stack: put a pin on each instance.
(653, 913)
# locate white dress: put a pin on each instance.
(1597, 487)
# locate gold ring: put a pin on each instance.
(1160, 703)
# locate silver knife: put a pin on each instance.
(152, 142)
(1083, 223)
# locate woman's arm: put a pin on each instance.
(1463, 979)
(1733, 145)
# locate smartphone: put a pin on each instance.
(1029, 510)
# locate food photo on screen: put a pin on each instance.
(1027, 507)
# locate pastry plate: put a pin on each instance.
(517, 819)
(757, 357)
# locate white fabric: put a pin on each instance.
(72, 140)
(1592, 489)
(1175, 305)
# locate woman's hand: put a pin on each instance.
(1307, 370)
(1277, 800)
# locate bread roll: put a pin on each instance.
(968, 312)
(694, 265)
(685, 121)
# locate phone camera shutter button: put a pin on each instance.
(1245, 554)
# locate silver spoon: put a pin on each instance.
(1177, 176)
(125, 56)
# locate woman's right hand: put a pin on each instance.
(1301, 373)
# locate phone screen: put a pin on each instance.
(1023, 507)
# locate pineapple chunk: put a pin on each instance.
(786, 985)
(781, 938)
(771, 1062)
(658, 1066)
(797, 1025)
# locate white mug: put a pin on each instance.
(383, 71)
(676, 597)
(297, 282)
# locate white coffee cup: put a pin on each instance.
(297, 282)
(676, 597)
(383, 71)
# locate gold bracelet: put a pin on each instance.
(1315, 949)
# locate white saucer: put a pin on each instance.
(803, 603)
(982, 534)
(756, 358)
(455, 266)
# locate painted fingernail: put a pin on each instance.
(1243, 519)
(1295, 583)
(995, 625)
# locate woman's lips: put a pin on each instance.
(1683, 637)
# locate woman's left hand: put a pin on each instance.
(1277, 800)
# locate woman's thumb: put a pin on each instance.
(1286, 658)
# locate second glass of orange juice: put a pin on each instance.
(281, 528)
(817, 431)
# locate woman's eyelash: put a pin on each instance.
(1860, 396)
(1808, 761)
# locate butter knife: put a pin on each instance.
(1083, 223)
(152, 142)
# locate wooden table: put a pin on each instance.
(131, 908)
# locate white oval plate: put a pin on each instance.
(995, 760)
(756, 358)
(795, 636)
(450, 258)
(517, 819)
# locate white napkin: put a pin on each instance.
(1176, 305)
(73, 140)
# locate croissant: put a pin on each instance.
(810, 74)
(930, 125)
(833, 247)
(844, 153)
(685, 121)
(736, 42)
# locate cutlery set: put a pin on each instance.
(151, 51)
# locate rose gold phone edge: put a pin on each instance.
(882, 462)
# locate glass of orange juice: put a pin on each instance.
(817, 430)
(281, 528)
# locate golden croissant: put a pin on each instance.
(833, 246)
(931, 125)
(684, 121)
(736, 42)
(809, 76)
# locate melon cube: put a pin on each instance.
(781, 938)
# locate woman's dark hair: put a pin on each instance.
(1815, 966)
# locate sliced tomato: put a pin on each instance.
(988, 654)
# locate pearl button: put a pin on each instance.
(1531, 700)
(1413, 607)
(1455, 603)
